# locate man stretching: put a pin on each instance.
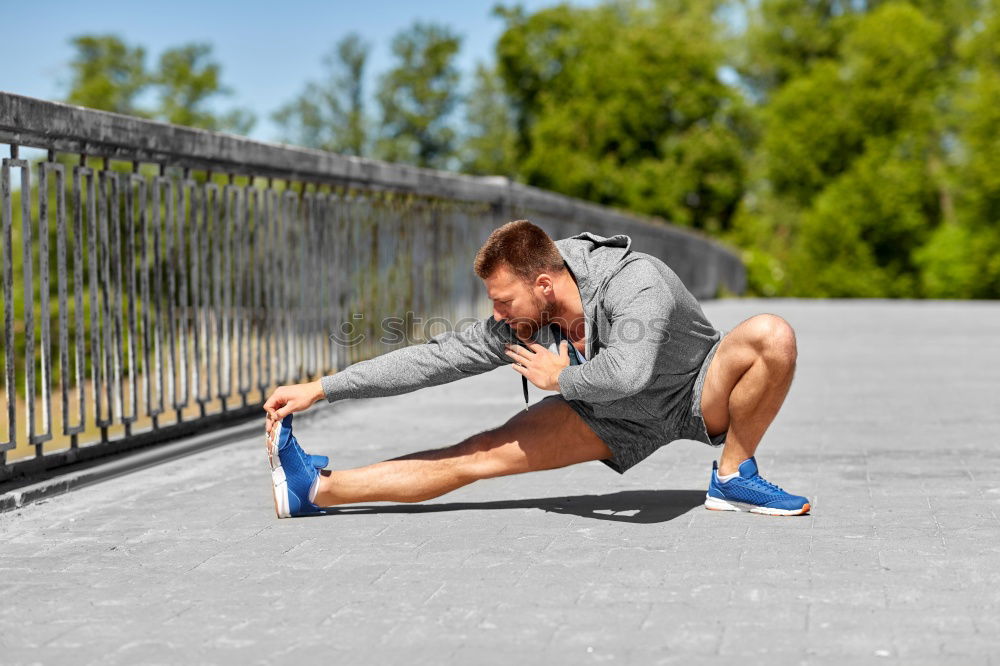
(614, 331)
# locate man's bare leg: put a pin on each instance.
(547, 436)
(746, 385)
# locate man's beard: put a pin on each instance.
(526, 328)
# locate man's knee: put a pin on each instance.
(775, 339)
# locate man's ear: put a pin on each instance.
(544, 280)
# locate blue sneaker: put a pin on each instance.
(750, 492)
(319, 462)
(294, 473)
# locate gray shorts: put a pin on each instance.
(633, 441)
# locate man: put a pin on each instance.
(636, 364)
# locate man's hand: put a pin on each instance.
(288, 399)
(539, 365)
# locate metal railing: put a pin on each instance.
(160, 280)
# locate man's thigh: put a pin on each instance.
(549, 435)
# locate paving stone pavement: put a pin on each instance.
(891, 428)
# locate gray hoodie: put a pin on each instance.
(646, 339)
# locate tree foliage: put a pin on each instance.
(962, 256)
(329, 114)
(417, 97)
(107, 74)
(785, 38)
(187, 80)
(110, 75)
(489, 144)
(622, 104)
(864, 155)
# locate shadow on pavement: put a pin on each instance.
(628, 506)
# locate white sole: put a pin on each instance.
(719, 504)
(279, 486)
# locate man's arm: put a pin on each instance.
(444, 358)
(640, 305)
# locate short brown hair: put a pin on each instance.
(523, 247)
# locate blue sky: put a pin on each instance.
(267, 50)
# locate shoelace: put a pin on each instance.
(761, 481)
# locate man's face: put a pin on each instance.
(522, 305)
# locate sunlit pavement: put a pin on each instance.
(892, 429)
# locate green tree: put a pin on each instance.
(187, 80)
(110, 75)
(859, 236)
(853, 159)
(107, 74)
(329, 114)
(489, 146)
(532, 54)
(418, 96)
(784, 38)
(621, 104)
(962, 257)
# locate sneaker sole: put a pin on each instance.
(279, 487)
(719, 504)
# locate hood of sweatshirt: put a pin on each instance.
(592, 260)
